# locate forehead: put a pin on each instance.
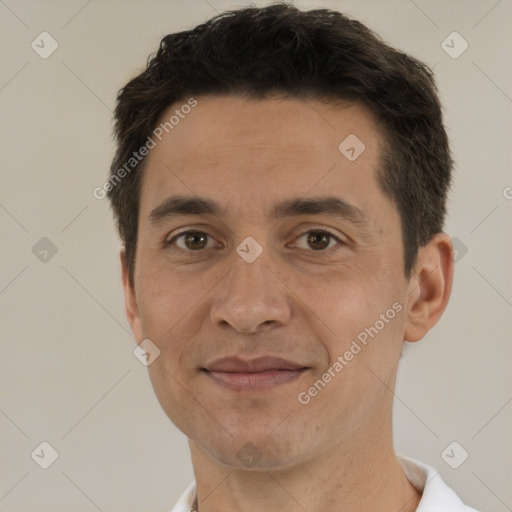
(282, 121)
(235, 149)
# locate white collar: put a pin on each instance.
(436, 495)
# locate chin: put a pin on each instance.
(254, 451)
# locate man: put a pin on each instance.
(280, 189)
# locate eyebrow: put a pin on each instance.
(188, 205)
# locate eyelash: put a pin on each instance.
(171, 242)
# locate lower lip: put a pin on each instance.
(255, 381)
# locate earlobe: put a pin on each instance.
(429, 287)
(130, 300)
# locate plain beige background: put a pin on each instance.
(68, 373)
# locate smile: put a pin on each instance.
(259, 374)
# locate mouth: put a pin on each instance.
(259, 374)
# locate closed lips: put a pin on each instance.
(254, 375)
(261, 364)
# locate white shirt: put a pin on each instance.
(436, 495)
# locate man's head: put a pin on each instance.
(283, 235)
(318, 54)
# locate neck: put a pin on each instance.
(360, 476)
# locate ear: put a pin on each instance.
(430, 286)
(130, 300)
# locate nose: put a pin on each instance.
(252, 298)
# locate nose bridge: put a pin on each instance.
(252, 295)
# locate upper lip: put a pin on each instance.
(260, 364)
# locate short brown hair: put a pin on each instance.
(258, 52)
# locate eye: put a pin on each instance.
(195, 241)
(192, 240)
(319, 239)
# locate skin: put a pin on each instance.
(293, 301)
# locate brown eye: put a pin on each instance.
(191, 240)
(319, 240)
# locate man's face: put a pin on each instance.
(321, 282)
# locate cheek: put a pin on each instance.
(172, 395)
(174, 307)
(363, 313)
(163, 308)
(164, 297)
